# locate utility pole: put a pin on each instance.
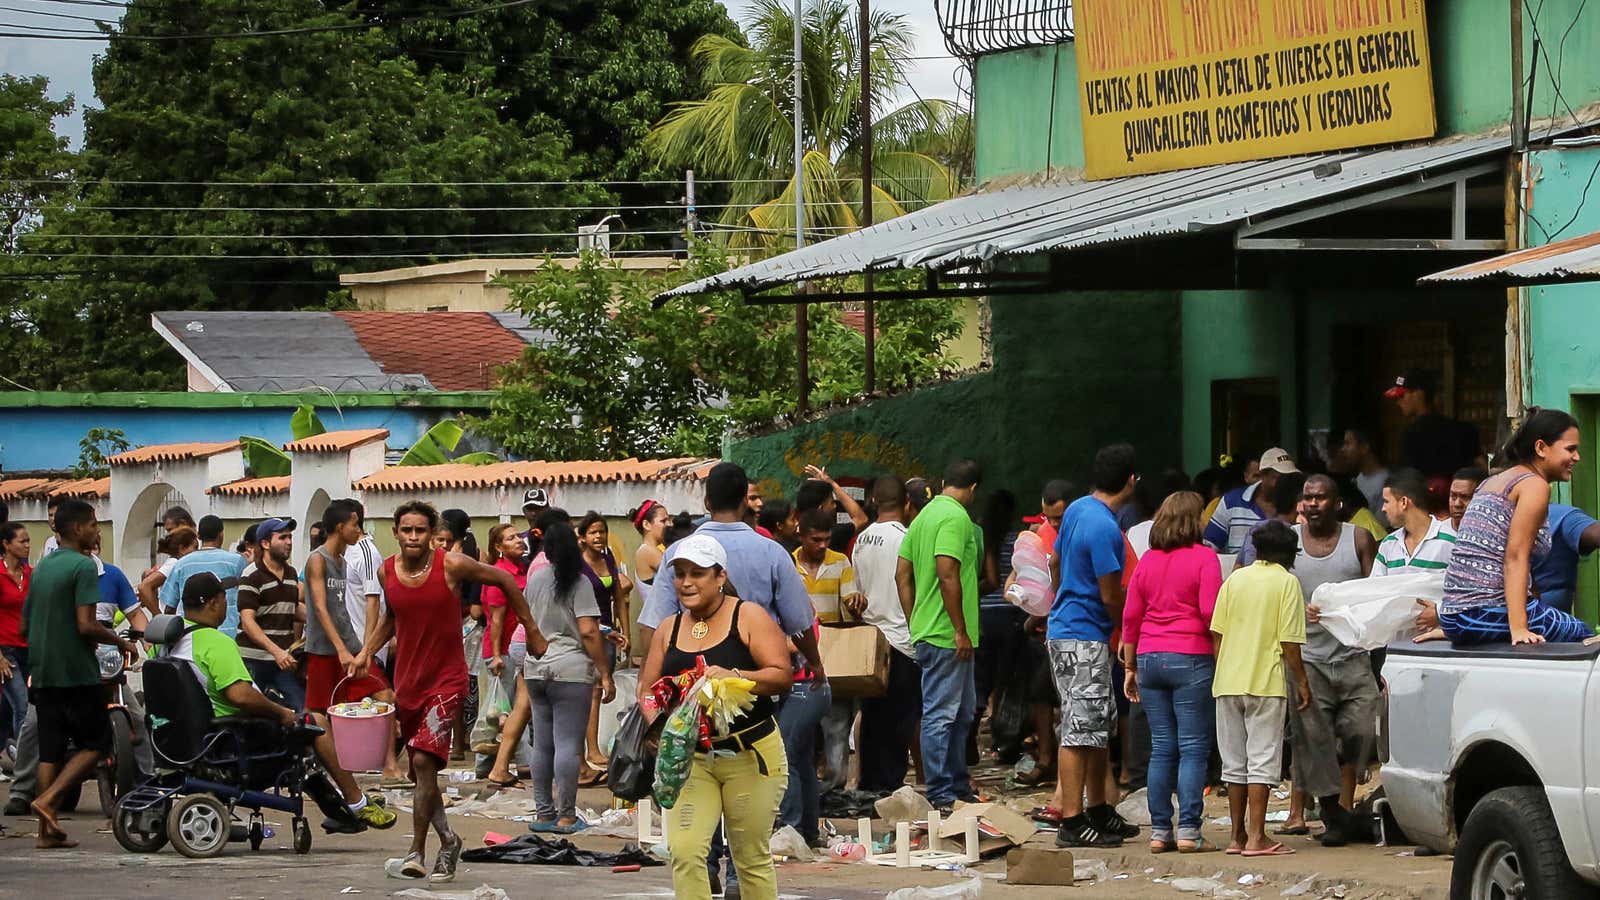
(870, 315)
(802, 334)
(1519, 140)
(691, 218)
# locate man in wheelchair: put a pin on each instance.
(254, 721)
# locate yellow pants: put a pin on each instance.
(730, 788)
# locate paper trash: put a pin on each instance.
(999, 828)
(1368, 613)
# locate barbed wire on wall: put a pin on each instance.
(974, 27)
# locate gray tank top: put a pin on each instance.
(333, 582)
(1343, 564)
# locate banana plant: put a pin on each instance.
(265, 459)
(434, 448)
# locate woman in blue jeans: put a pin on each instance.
(1167, 650)
(14, 546)
(800, 712)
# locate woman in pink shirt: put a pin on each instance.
(504, 650)
(1166, 648)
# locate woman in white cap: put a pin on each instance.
(743, 778)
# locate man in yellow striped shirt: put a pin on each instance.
(831, 581)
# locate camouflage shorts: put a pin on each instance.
(1082, 671)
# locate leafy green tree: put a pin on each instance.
(331, 108)
(35, 163)
(94, 447)
(741, 130)
(620, 378)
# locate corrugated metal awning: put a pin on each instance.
(1574, 259)
(1064, 216)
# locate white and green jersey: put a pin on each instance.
(1431, 557)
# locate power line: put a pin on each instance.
(445, 209)
(397, 184)
(53, 15)
(87, 35)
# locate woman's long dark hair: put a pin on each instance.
(461, 527)
(566, 558)
(1539, 424)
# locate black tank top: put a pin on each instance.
(729, 653)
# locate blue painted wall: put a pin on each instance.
(47, 438)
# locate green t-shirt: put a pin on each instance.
(215, 658)
(943, 528)
(58, 656)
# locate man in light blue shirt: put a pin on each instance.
(759, 568)
(213, 558)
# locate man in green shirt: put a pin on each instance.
(59, 624)
(216, 661)
(937, 577)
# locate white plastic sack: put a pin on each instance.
(969, 889)
(1368, 613)
(627, 682)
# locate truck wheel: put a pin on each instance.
(1510, 848)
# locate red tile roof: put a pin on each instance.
(39, 488)
(422, 478)
(457, 351)
(336, 441)
(252, 487)
(171, 453)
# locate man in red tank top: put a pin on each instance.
(423, 589)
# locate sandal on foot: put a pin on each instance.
(1292, 831)
(1274, 850)
(1162, 846)
(1197, 846)
(594, 779)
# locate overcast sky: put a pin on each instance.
(67, 63)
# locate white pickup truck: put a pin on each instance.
(1494, 755)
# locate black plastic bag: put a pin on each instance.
(633, 756)
(532, 849)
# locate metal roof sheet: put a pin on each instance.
(1574, 259)
(1068, 215)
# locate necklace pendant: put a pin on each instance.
(699, 630)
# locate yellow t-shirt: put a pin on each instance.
(1365, 519)
(1258, 609)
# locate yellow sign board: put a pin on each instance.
(1174, 84)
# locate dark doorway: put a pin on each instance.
(1245, 417)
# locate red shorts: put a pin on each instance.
(430, 726)
(323, 674)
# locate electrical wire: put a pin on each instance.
(397, 184)
(87, 35)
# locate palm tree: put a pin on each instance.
(742, 130)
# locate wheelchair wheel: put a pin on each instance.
(258, 831)
(198, 826)
(302, 835)
(139, 831)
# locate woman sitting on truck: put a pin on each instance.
(1486, 596)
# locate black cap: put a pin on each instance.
(202, 586)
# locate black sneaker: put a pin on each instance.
(716, 879)
(1078, 831)
(18, 806)
(1106, 818)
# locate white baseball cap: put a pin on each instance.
(1278, 460)
(702, 550)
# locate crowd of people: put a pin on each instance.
(1180, 649)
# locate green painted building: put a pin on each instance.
(1278, 312)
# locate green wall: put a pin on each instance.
(1073, 371)
(1231, 335)
(1471, 50)
(1564, 329)
(1017, 133)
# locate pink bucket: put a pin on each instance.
(361, 741)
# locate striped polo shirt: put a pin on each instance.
(834, 580)
(1432, 555)
(275, 602)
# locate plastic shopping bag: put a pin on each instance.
(680, 738)
(632, 773)
(493, 708)
(1368, 613)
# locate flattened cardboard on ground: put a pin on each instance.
(1040, 865)
(998, 827)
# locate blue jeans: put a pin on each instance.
(266, 674)
(14, 695)
(1175, 691)
(799, 715)
(949, 698)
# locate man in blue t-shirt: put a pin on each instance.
(1086, 567)
(1573, 534)
(211, 557)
